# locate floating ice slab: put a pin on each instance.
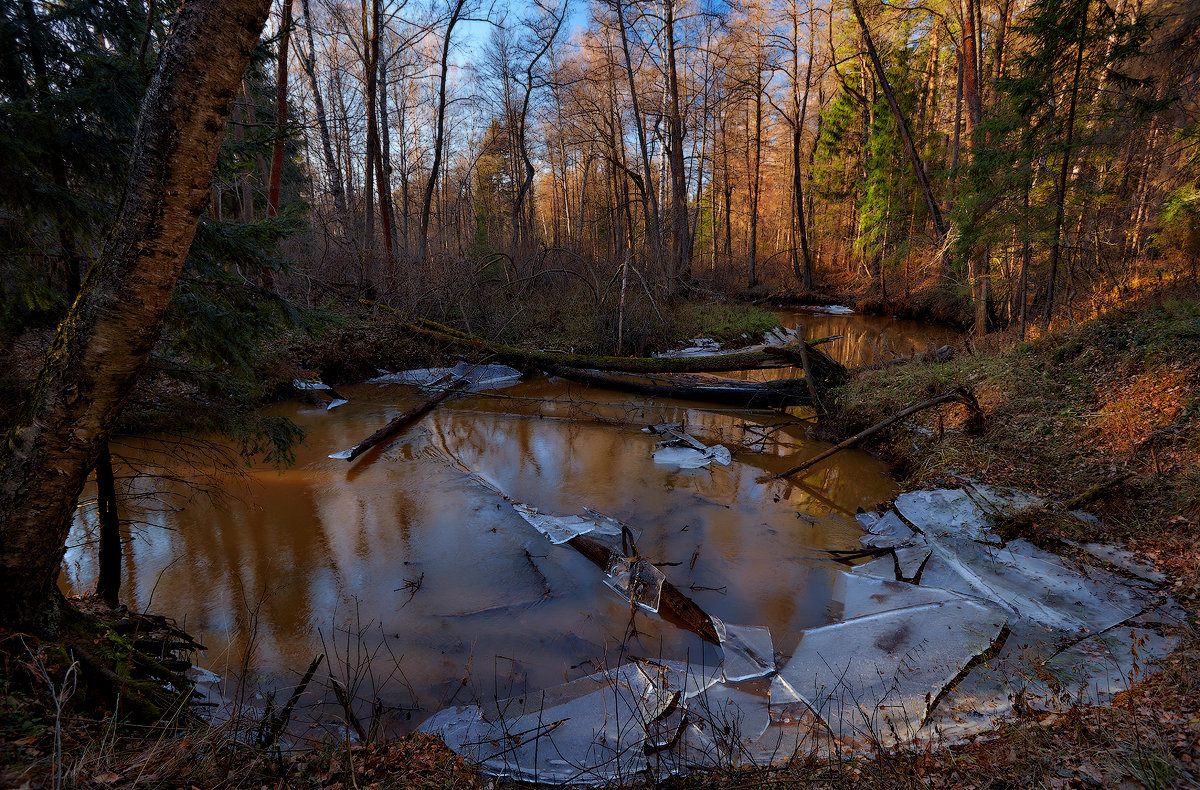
(560, 529)
(876, 676)
(748, 649)
(480, 377)
(691, 458)
(589, 731)
(945, 511)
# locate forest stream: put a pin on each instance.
(413, 573)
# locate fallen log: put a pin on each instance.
(406, 419)
(746, 394)
(823, 365)
(958, 394)
(674, 605)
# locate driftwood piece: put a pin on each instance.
(754, 395)
(407, 418)
(959, 395)
(674, 605)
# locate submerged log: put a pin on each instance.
(823, 365)
(959, 394)
(674, 605)
(407, 418)
(746, 394)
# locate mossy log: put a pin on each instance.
(824, 367)
(746, 394)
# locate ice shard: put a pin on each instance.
(748, 650)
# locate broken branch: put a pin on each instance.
(958, 394)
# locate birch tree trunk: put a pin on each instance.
(101, 347)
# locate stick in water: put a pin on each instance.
(405, 419)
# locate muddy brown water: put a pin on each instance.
(425, 589)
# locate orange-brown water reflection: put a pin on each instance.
(451, 583)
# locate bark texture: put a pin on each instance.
(100, 347)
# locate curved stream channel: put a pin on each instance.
(427, 591)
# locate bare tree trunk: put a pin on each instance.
(650, 203)
(101, 347)
(935, 213)
(332, 168)
(801, 259)
(440, 135)
(281, 107)
(681, 223)
(1064, 172)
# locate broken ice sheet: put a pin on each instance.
(888, 530)
(1033, 584)
(874, 677)
(309, 384)
(1092, 671)
(1003, 501)
(748, 650)
(480, 377)
(732, 718)
(560, 529)
(679, 677)
(945, 511)
(637, 580)
(588, 731)
(858, 595)
(1126, 560)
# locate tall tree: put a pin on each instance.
(101, 347)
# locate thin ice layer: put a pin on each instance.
(589, 731)
(876, 676)
(679, 677)
(1033, 584)
(732, 718)
(856, 595)
(1002, 500)
(888, 530)
(748, 650)
(480, 377)
(945, 511)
